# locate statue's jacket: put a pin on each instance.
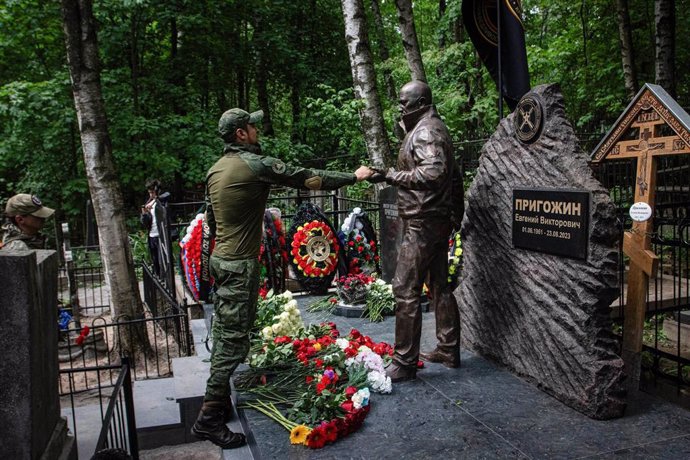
(428, 178)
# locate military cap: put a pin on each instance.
(24, 204)
(233, 119)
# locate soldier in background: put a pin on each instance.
(25, 216)
(237, 189)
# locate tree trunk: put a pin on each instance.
(409, 38)
(627, 54)
(383, 51)
(84, 68)
(665, 26)
(364, 82)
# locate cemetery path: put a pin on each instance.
(482, 411)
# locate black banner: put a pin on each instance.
(480, 19)
(553, 221)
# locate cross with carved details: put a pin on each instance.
(650, 144)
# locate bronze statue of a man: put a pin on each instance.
(430, 203)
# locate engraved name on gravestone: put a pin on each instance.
(552, 221)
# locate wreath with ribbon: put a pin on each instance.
(195, 251)
(313, 249)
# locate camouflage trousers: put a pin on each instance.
(237, 290)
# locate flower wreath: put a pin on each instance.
(272, 254)
(195, 249)
(314, 249)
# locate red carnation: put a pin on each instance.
(349, 391)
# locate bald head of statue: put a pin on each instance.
(413, 96)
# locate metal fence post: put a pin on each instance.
(129, 410)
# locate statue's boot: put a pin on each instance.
(449, 358)
(399, 373)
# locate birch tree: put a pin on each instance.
(84, 68)
(409, 39)
(364, 81)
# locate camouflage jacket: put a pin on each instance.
(237, 189)
(14, 240)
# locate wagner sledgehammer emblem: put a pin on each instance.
(529, 117)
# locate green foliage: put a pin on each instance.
(169, 69)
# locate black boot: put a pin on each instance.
(227, 410)
(209, 425)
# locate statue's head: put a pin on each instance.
(413, 96)
(237, 125)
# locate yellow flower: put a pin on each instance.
(317, 346)
(299, 434)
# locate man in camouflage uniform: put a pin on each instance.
(430, 203)
(26, 215)
(237, 189)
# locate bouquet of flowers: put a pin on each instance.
(352, 289)
(379, 301)
(278, 315)
(322, 382)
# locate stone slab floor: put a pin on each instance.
(481, 411)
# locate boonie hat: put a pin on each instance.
(24, 204)
(236, 118)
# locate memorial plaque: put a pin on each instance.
(553, 221)
(390, 232)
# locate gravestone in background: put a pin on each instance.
(30, 418)
(541, 307)
(390, 232)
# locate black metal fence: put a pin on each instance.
(156, 341)
(666, 357)
(118, 420)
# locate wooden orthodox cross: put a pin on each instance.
(649, 112)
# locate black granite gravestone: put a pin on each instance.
(29, 403)
(390, 228)
(541, 312)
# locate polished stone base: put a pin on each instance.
(482, 411)
(349, 311)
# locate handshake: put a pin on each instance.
(372, 175)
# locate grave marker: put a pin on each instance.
(651, 113)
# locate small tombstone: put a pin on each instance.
(32, 427)
(540, 260)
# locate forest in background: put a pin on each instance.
(170, 68)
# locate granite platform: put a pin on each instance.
(482, 411)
